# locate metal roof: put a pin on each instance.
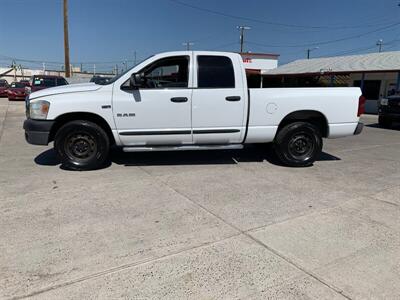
(373, 62)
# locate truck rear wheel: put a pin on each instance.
(82, 145)
(298, 144)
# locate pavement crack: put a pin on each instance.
(260, 243)
(121, 268)
(299, 267)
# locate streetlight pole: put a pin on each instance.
(66, 41)
(380, 45)
(242, 29)
(309, 51)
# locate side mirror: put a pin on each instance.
(136, 80)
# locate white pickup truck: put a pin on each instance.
(188, 100)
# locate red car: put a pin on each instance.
(40, 82)
(16, 91)
(3, 87)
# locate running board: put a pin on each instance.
(182, 148)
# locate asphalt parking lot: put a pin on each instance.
(201, 225)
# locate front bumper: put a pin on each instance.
(359, 128)
(37, 132)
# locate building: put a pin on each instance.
(256, 65)
(377, 74)
(16, 74)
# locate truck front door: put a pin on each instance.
(219, 101)
(159, 112)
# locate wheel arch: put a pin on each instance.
(314, 117)
(92, 117)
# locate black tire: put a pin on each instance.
(298, 144)
(385, 122)
(82, 145)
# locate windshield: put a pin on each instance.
(17, 85)
(112, 80)
(48, 82)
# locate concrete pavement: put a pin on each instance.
(201, 225)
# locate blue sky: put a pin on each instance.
(106, 32)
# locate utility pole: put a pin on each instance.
(66, 41)
(188, 45)
(242, 29)
(14, 66)
(134, 58)
(380, 45)
(309, 51)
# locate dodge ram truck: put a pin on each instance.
(188, 100)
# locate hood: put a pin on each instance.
(71, 88)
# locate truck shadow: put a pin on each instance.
(217, 157)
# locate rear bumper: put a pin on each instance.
(359, 128)
(37, 132)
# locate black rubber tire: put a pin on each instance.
(290, 153)
(385, 122)
(89, 135)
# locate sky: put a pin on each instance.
(109, 32)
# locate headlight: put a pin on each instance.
(384, 101)
(39, 109)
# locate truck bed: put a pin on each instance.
(268, 106)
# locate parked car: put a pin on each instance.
(40, 82)
(3, 87)
(16, 91)
(100, 79)
(188, 100)
(26, 82)
(389, 111)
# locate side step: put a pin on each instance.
(182, 148)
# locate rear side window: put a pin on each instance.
(215, 72)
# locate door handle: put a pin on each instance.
(179, 99)
(232, 98)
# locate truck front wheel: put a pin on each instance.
(82, 145)
(298, 144)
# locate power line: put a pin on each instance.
(62, 63)
(237, 17)
(350, 51)
(328, 41)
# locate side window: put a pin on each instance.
(215, 72)
(61, 81)
(167, 72)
